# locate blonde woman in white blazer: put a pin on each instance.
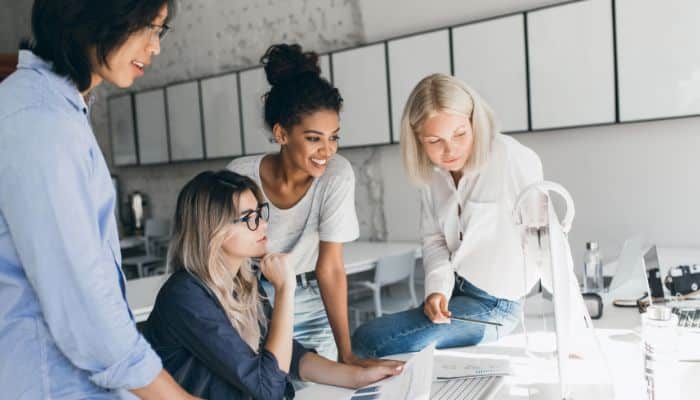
(469, 175)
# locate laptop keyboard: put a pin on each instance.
(477, 388)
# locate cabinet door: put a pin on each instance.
(658, 58)
(360, 75)
(121, 130)
(572, 75)
(489, 57)
(410, 60)
(184, 122)
(256, 136)
(222, 124)
(151, 127)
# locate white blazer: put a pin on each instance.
(469, 229)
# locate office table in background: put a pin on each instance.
(358, 256)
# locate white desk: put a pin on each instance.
(358, 256)
(141, 295)
(619, 335)
(363, 256)
(130, 242)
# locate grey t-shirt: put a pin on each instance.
(325, 213)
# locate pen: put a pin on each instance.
(478, 321)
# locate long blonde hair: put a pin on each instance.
(437, 93)
(206, 206)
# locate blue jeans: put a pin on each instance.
(311, 326)
(411, 330)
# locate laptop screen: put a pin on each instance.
(652, 274)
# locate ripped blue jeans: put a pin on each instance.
(411, 330)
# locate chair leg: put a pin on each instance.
(377, 301)
(139, 268)
(412, 290)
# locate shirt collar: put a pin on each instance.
(447, 176)
(63, 85)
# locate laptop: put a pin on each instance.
(416, 383)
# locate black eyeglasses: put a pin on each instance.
(263, 212)
(159, 30)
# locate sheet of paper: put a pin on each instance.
(413, 383)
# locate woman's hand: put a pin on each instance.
(314, 368)
(435, 309)
(367, 375)
(275, 269)
(370, 362)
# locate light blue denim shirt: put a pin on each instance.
(65, 327)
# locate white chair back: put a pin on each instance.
(395, 268)
(155, 232)
(156, 227)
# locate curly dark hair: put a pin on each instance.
(297, 86)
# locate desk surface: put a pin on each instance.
(362, 256)
(618, 333)
(358, 256)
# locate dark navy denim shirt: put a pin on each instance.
(190, 331)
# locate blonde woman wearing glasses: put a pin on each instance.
(212, 324)
(469, 175)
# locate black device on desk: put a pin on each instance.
(683, 279)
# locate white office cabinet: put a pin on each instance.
(658, 58)
(360, 75)
(410, 60)
(151, 127)
(222, 124)
(184, 122)
(256, 136)
(121, 131)
(489, 57)
(572, 73)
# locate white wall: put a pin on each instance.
(389, 18)
(624, 178)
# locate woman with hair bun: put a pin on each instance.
(311, 194)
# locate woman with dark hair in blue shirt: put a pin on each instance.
(65, 327)
(210, 320)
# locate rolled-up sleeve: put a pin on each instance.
(203, 328)
(439, 273)
(47, 195)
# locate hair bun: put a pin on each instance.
(285, 62)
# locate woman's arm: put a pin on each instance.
(314, 368)
(163, 387)
(332, 280)
(330, 272)
(279, 337)
(439, 275)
